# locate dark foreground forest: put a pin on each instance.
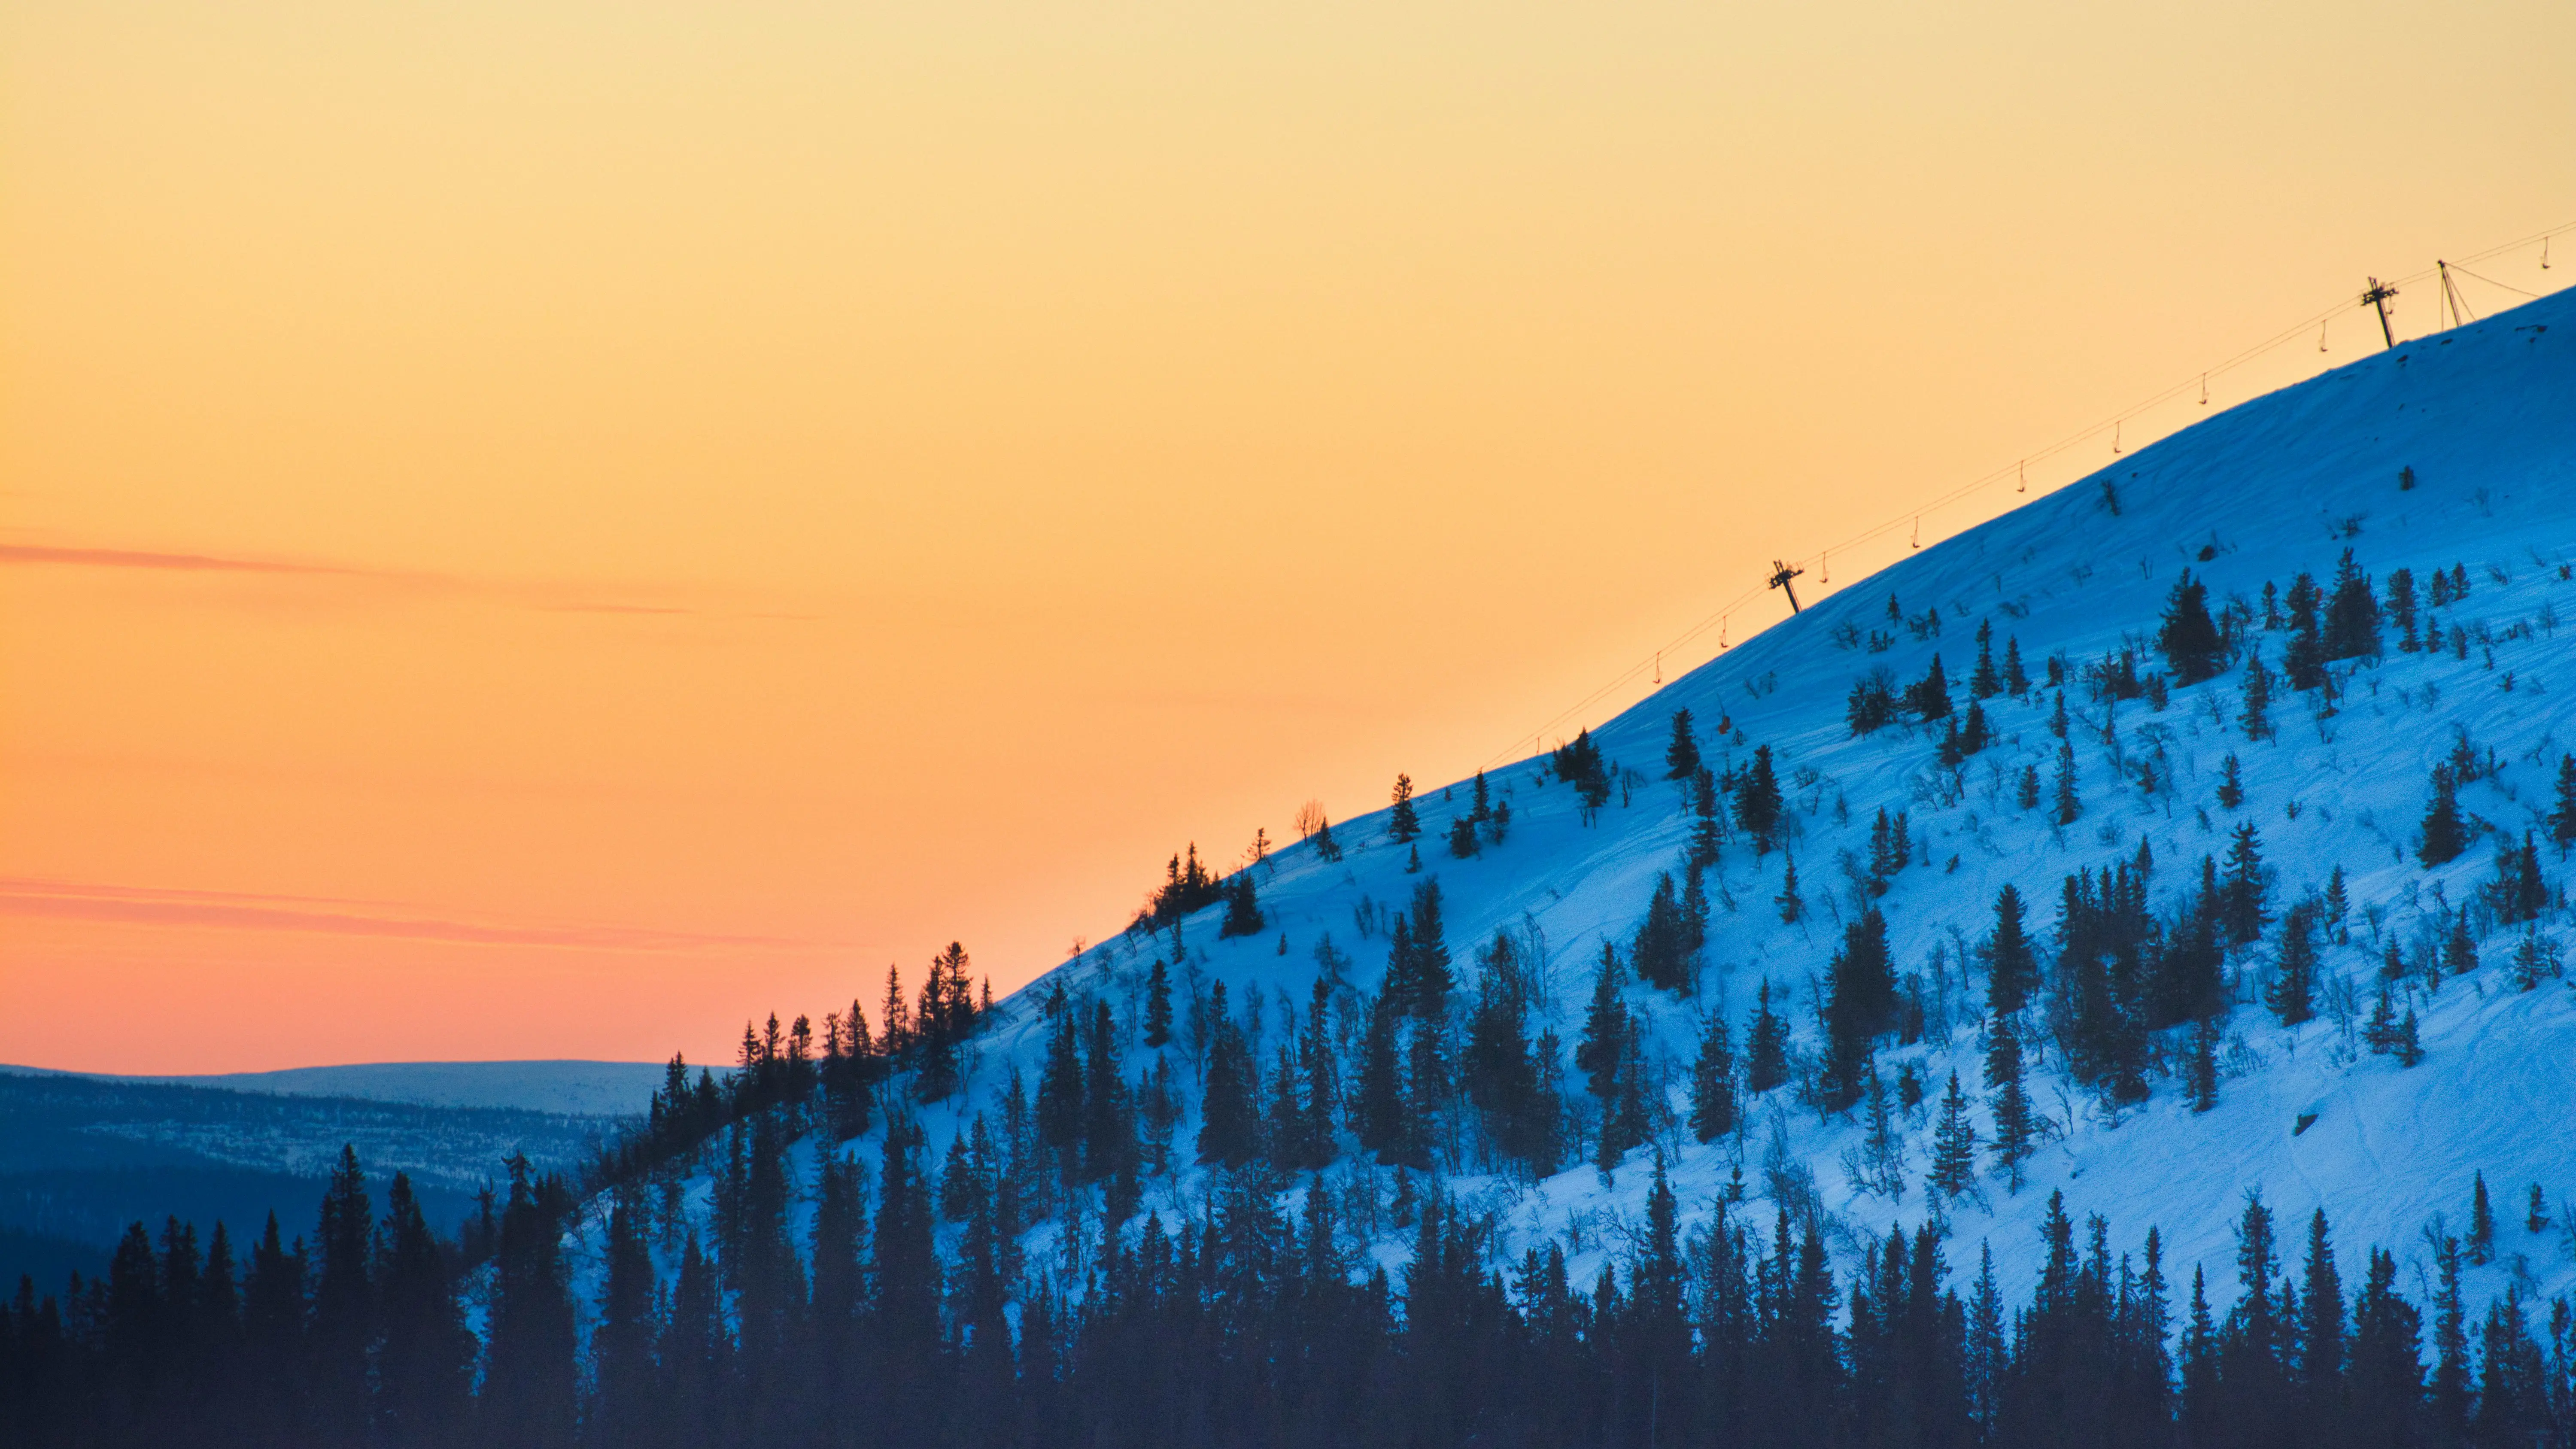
(1246, 1326)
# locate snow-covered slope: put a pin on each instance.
(2480, 421)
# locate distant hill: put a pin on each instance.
(574, 1088)
(82, 1156)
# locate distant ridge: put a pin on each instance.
(571, 1088)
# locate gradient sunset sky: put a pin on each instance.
(544, 529)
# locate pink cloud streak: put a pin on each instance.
(144, 906)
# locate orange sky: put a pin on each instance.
(540, 529)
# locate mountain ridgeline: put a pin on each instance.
(2096, 982)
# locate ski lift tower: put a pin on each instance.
(1781, 574)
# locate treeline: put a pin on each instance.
(1256, 1322)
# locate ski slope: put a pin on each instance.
(2485, 417)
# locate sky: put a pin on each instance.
(544, 529)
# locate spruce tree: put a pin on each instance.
(2320, 1377)
(1860, 1004)
(2352, 614)
(1706, 823)
(1766, 1045)
(1954, 1145)
(344, 1301)
(1791, 905)
(2008, 1101)
(1757, 802)
(1681, 754)
(2231, 785)
(2481, 1239)
(2444, 835)
(2016, 681)
(2201, 1080)
(1712, 1113)
(1242, 908)
(2012, 970)
(1660, 950)
(2385, 1371)
(2255, 718)
(1431, 979)
(1403, 824)
(2292, 994)
(2188, 639)
(1229, 1117)
(1605, 1026)
(2241, 898)
(2303, 664)
(1158, 1006)
(2562, 812)
(1984, 682)
(2068, 805)
(1377, 1108)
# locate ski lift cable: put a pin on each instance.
(2019, 470)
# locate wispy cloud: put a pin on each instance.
(543, 597)
(132, 558)
(227, 910)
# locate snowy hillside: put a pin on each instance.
(2455, 453)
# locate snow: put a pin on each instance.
(2485, 416)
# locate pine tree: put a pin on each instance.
(1229, 1117)
(2202, 1079)
(1860, 1004)
(1660, 950)
(2386, 1372)
(2401, 607)
(2303, 664)
(2292, 994)
(2320, 1378)
(2008, 1102)
(2189, 640)
(2068, 805)
(1377, 1107)
(2410, 1048)
(1712, 1113)
(1954, 1145)
(528, 1389)
(1605, 1026)
(1929, 697)
(2352, 614)
(1158, 1006)
(1706, 823)
(344, 1301)
(1242, 908)
(1984, 682)
(1403, 824)
(1766, 1045)
(424, 1357)
(2255, 719)
(2241, 898)
(1757, 802)
(2562, 814)
(1431, 978)
(2481, 1239)
(1681, 754)
(2444, 834)
(2012, 970)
